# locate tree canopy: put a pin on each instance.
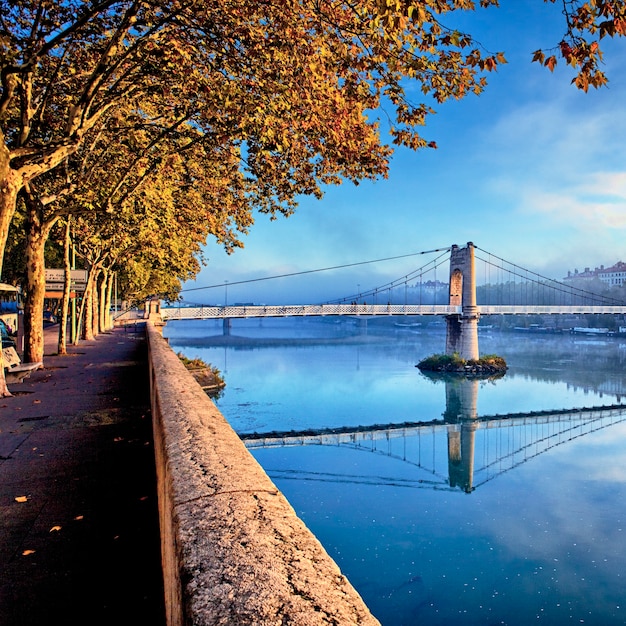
(284, 88)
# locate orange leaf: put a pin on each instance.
(28, 552)
(55, 529)
(21, 499)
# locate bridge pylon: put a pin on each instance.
(462, 329)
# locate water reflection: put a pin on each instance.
(461, 403)
(543, 545)
(505, 441)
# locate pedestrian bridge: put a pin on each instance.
(461, 309)
(351, 310)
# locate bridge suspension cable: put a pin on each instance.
(431, 266)
(322, 269)
(542, 287)
(513, 284)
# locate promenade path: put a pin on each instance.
(79, 537)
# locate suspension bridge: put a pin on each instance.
(526, 293)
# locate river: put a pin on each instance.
(470, 512)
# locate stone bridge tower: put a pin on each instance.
(462, 330)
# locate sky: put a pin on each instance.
(532, 170)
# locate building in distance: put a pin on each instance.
(614, 276)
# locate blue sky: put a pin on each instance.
(533, 170)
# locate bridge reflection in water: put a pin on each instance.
(463, 450)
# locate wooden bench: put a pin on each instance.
(14, 370)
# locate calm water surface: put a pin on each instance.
(456, 518)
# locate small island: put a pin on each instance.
(488, 364)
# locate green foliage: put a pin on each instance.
(190, 364)
(198, 364)
(435, 361)
(489, 359)
(450, 362)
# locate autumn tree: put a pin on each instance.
(288, 113)
(153, 236)
(285, 86)
(134, 194)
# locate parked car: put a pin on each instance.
(7, 340)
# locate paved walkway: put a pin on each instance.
(79, 540)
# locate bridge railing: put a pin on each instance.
(305, 310)
(533, 309)
(217, 312)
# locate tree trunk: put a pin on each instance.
(102, 300)
(36, 234)
(65, 305)
(10, 184)
(88, 305)
(87, 317)
(106, 295)
(109, 300)
(95, 306)
(81, 313)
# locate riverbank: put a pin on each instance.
(234, 550)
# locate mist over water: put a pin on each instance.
(460, 519)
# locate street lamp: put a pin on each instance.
(225, 293)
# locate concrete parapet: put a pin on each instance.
(233, 549)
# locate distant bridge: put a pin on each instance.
(461, 311)
(352, 310)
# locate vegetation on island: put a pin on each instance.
(487, 364)
(132, 131)
(208, 376)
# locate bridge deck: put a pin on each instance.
(221, 312)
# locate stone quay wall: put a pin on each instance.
(233, 549)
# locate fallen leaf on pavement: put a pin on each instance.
(21, 499)
(28, 552)
(55, 528)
